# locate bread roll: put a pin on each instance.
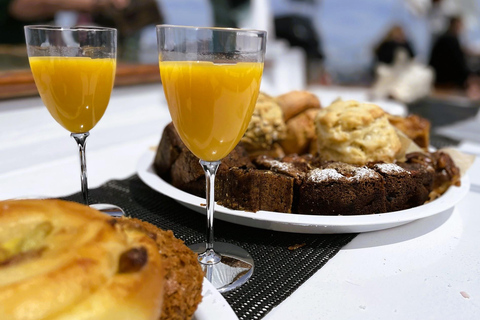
(295, 102)
(299, 111)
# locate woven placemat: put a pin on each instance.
(279, 271)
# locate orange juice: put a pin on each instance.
(211, 104)
(75, 90)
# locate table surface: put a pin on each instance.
(427, 269)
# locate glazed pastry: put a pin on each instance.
(63, 260)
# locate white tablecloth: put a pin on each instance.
(427, 269)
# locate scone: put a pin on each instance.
(266, 128)
(63, 260)
(355, 133)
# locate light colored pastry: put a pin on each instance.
(356, 133)
(62, 260)
(266, 126)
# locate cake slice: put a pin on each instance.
(341, 189)
(254, 189)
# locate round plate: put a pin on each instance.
(213, 305)
(300, 223)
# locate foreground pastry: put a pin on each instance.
(63, 260)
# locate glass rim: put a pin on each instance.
(158, 26)
(75, 28)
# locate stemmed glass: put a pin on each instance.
(211, 79)
(74, 71)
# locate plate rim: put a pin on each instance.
(299, 223)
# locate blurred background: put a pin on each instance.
(399, 49)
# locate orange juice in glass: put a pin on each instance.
(75, 90)
(211, 78)
(74, 71)
(211, 104)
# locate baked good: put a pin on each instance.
(179, 166)
(341, 189)
(311, 184)
(399, 186)
(266, 128)
(169, 149)
(254, 189)
(414, 127)
(300, 133)
(355, 133)
(183, 274)
(85, 264)
(295, 102)
(444, 171)
(299, 111)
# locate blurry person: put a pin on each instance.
(389, 47)
(14, 14)
(298, 28)
(227, 13)
(448, 57)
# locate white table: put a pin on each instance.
(428, 269)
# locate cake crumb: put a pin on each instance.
(465, 295)
(296, 246)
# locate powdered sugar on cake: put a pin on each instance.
(279, 166)
(389, 168)
(319, 175)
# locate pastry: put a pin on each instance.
(355, 133)
(266, 128)
(299, 111)
(63, 260)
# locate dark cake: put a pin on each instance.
(169, 149)
(253, 190)
(179, 166)
(399, 185)
(307, 185)
(341, 189)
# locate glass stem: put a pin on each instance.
(210, 168)
(81, 139)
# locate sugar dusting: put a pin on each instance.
(279, 166)
(364, 172)
(389, 168)
(320, 175)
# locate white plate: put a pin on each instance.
(213, 305)
(298, 222)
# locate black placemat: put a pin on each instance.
(279, 270)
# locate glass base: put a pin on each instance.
(233, 269)
(109, 209)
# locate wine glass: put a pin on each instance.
(211, 79)
(74, 71)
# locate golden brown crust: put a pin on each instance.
(75, 265)
(295, 102)
(300, 132)
(414, 127)
(184, 276)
